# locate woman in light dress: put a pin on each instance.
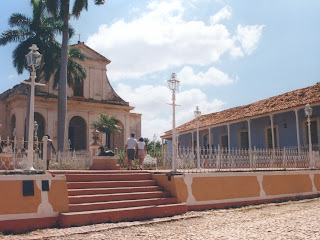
(142, 152)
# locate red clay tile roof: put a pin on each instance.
(296, 98)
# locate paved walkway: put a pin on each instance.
(289, 220)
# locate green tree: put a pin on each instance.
(60, 9)
(106, 125)
(76, 72)
(41, 29)
(152, 146)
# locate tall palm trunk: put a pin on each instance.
(62, 89)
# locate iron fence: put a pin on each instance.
(223, 159)
(13, 156)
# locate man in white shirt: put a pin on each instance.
(131, 146)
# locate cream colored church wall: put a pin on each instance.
(15, 107)
(81, 110)
(96, 87)
(133, 124)
(3, 120)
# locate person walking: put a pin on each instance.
(50, 148)
(142, 152)
(131, 146)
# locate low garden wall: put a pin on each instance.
(34, 201)
(31, 201)
(202, 191)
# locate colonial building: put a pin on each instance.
(249, 126)
(85, 104)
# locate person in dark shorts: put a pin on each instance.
(131, 146)
(50, 149)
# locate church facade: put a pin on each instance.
(85, 104)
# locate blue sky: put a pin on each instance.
(226, 53)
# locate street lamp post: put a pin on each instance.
(154, 143)
(197, 114)
(308, 113)
(173, 84)
(33, 59)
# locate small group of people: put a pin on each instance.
(135, 149)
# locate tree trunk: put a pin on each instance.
(62, 88)
(108, 140)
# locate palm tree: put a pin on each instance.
(106, 125)
(60, 9)
(76, 72)
(41, 29)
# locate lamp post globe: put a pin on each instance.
(308, 113)
(197, 114)
(33, 58)
(173, 85)
(308, 110)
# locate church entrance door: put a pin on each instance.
(77, 133)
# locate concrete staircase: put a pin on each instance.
(113, 196)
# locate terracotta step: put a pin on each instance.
(66, 172)
(120, 214)
(116, 197)
(107, 177)
(108, 184)
(120, 204)
(93, 191)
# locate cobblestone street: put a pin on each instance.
(288, 220)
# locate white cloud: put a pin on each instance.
(13, 76)
(189, 100)
(224, 13)
(155, 126)
(212, 76)
(134, 10)
(146, 99)
(249, 37)
(161, 38)
(157, 114)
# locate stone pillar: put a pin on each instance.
(95, 145)
(272, 132)
(229, 142)
(20, 125)
(296, 111)
(249, 133)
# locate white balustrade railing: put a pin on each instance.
(13, 156)
(218, 159)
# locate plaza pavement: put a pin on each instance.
(288, 220)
